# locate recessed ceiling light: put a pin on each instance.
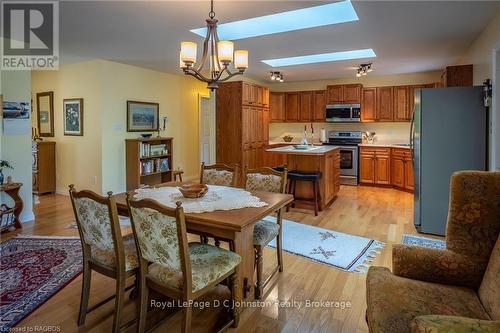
(323, 57)
(333, 13)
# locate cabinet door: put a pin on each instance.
(246, 125)
(259, 100)
(292, 106)
(401, 103)
(352, 93)
(335, 94)
(382, 169)
(265, 97)
(409, 182)
(257, 125)
(319, 106)
(277, 107)
(384, 103)
(411, 98)
(306, 105)
(398, 171)
(265, 126)
(246, 93)
(369, 104)
(367, 168)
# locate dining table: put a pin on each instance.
(234, 225)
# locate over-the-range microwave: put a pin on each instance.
(343, 113)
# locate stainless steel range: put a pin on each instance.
(348, 142)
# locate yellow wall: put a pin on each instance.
(105, 87)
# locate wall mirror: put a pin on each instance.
(45, 113)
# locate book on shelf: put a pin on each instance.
(151, 150)
(154, 166)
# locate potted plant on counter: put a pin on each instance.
(4, 164)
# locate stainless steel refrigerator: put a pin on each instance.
(448, 133)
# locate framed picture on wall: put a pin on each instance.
(142, 116)
(73, 116)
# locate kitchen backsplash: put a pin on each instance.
(385, 132)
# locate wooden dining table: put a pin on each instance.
(235, 226)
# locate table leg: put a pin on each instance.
(243, 245)
(18, 205)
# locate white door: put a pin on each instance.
(207, 129)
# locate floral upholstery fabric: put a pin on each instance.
(95, 223)
(264, 232)
(450, 324)
(217, 177)
(107, 257)
(489, 291)
(260, 182)
(157, 237)
(208, 263)
(393, 301)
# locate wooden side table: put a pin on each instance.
(12, 190)
(177, 173)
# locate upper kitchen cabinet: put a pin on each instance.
(292, 106)
(352, 93)
(384, 104)
(305, 105)
(246, 93)
(369, 107)
(277, 106)
(411, 96)
(265, 97)
(319, 106)
(401, 103)
(457, 76)
(335, 94)
(254, 95)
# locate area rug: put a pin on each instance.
(343, 251)
(32, 270)
(423, 242)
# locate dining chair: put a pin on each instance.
(104, 249)
(171, 266)
(268, 180)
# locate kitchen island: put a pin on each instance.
(324, 159)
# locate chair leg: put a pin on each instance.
(143, 306)
(315, 189)
(119, 299)
(187, 313)
(217, 242)
(259, 261)
(279, 243)
(294, 187)
(235, 309)
(203, 239)
(84, 300)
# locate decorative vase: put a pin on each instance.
(1, 177)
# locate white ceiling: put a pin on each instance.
(407, 36)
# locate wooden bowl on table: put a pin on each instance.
(193, 191)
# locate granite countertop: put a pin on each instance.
(314, 150)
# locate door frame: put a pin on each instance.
(495, 111)
(209, 96)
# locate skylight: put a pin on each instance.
(333, 13)
(323, 57)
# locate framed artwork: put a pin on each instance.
(142, 116)
(73, 116)
(45, 113)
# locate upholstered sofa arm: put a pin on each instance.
(452, 324)
(438, 266)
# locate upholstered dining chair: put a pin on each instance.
(268, 180)
(173, 267)
(219, 174)
(453, 290)
(104, 249)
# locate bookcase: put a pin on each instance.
(148, 161)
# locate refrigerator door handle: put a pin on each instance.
(412, 135)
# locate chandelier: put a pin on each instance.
(218, 54)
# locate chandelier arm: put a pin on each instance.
(205, 49)
(194, 72)
(214, 58)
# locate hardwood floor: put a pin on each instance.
(378, 213)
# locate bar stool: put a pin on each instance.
(312, 177)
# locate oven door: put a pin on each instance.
(349, 161)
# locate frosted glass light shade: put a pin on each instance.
(241, 59)
(188, 52)
(225, 49)
(181, 63)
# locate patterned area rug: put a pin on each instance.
(32, 270)
(343, 251)
(423, 242)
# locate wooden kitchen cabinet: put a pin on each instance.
(319, 106)
(366, 167)
(457, 76)
(277, 106)
(352, 93)
(402, 169)
(246, 93)
(411, 94)
(384, 103)
(305, 105)
(401, 103)
(375, 165)
(292, 106)
(369, 106)
(335, 94)
(265, 97)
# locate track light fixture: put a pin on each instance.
(364, 69)
(277, 76)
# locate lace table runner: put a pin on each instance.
(217, 198)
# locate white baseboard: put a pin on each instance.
(62, 191)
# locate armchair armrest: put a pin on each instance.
(452, 324)
(438, 266)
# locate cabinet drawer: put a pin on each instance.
(375, 150)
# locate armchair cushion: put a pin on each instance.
(393, 301)
(264, 232)
(439, 266)
(451, 324)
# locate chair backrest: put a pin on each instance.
(161, 237)
(489, 290)
(98, 224)
(266, 179)
(218, 174)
